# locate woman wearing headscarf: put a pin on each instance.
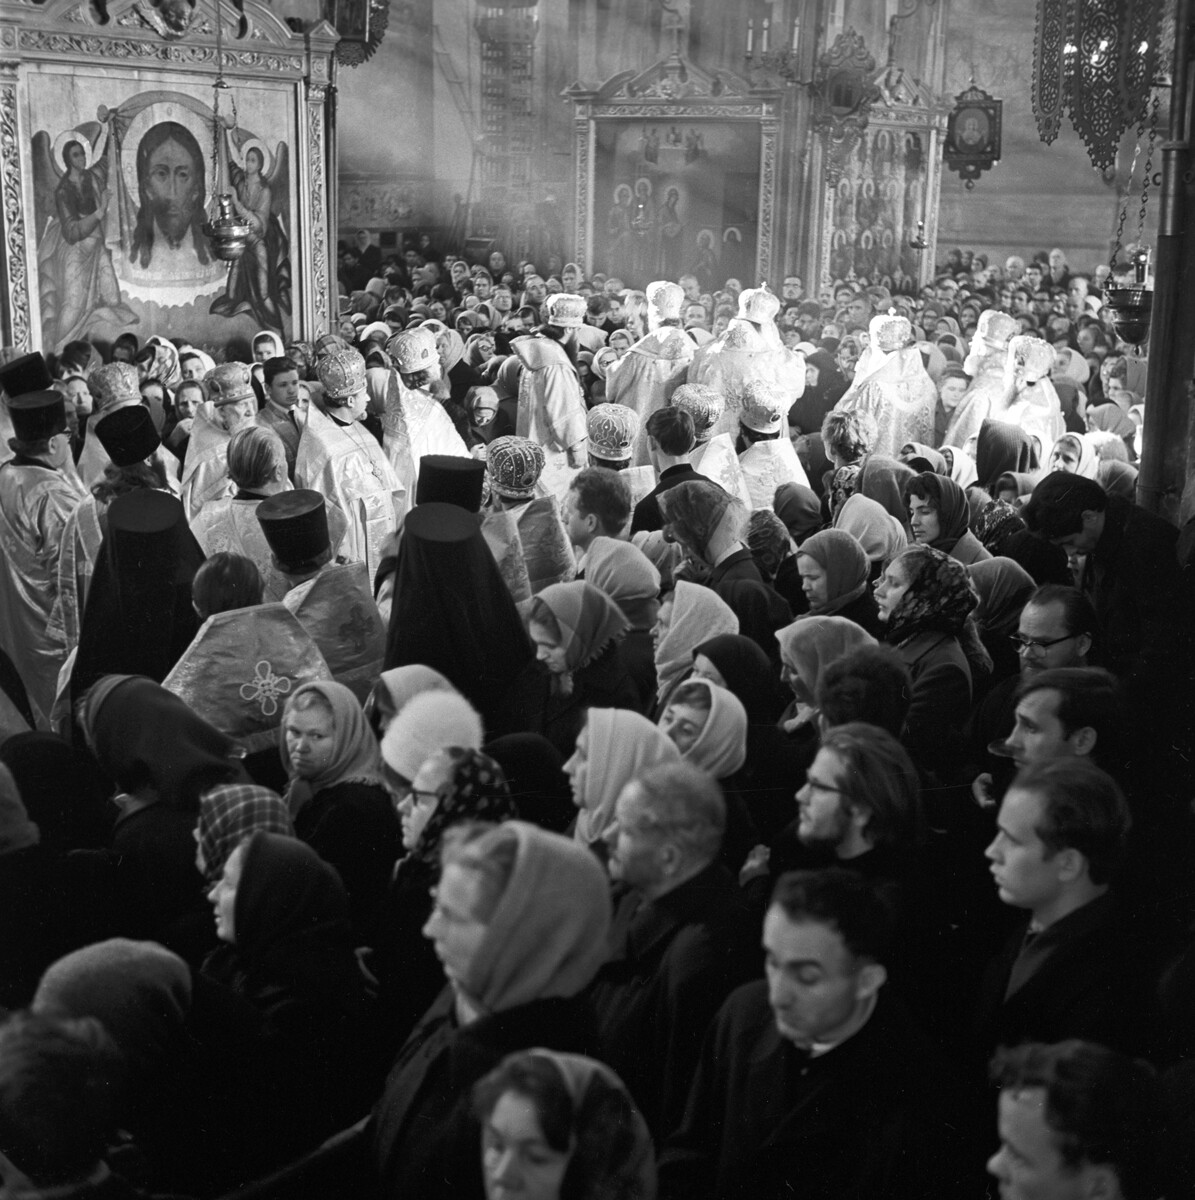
(162, 758)
(453, 612)
(880, 534)
(1075, 454)
(800, 510)
(807, 647)
(61, 790)
(228, 815)
(336, 795)
(921, 457)
(615, 747)
(999, 448)
(926, 601)
(834, 573)
(539, 788)
(453, 787)
(765, 779)
(584, 1138)
(884, 480)
(960, 466)
(824, 387)
(1003, 587)
(708, 724)
(195, 1084)
(1117, 478)
(139, 619)
(282, 916)
(577, 631)
(939, 515)
(159, 360)
(631, 580)
(689, 616)
(520, 923)
(1111, 418)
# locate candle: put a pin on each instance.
(750, 36)
(764, 46)
(796, 31)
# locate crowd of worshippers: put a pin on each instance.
(529, 766)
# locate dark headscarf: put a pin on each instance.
(138, 619)
(953, 511)
(842, 557)
(453, 612)
(747, 672)
(817, 400)
(940, 599)
(17, 831)
(884, 480)
(921, 457)
(1002, 447)
(145, 737)
(800, 510)
(997, 522)
(61, 793)
(291, 920)
(1003, 586)
(475, 791)
(535, 778)
(760, 610)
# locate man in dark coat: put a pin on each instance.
(1141, 597)
(1075, 968)
(672, 439)
(813, 1084)
(680, 940)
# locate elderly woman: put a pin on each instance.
(230, 814)
(561, 1127)
(454, 786)
(519, 922)
(336, 794)
(615, 747)
(577, 630)
(925, 601)
(939, 515)
(1076, 454)
(834, 574)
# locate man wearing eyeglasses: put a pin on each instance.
(1057, 628)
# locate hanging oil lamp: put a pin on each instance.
(227, 232)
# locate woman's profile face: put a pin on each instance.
(547, 649)
(418, 805)
(684, 724)
(223, 895)
(813, 580)
(663, 621)
(453, 928)
(516, 1158)
(309, 735)
(890, 588)
(576, 767)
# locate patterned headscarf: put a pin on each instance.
(997, 521)
(231, 813)
(940, 598)
(476, 790)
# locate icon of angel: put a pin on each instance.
(259, 281)
(78, 286)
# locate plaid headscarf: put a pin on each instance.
(231, 813)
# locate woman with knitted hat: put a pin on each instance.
(337, 796)
(834, 574)
(519, 923)
(577, 630)
(926, 601)
(454, 786)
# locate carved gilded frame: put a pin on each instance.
(264, 50)
(673, 90)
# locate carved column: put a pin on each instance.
(16, 278)
(582, 205)
(769, 126)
